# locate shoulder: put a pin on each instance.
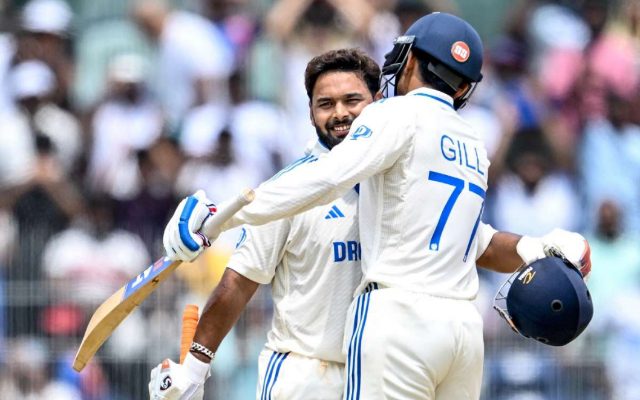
(265, 232)
(389, 110)
(391, 103)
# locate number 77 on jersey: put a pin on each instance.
(116, 308)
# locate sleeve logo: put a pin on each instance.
(361, 132)
(243, 237)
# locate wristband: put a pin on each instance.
(198, 348)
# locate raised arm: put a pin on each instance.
(373, 145)
(283, 17)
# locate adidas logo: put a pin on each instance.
(334, 213)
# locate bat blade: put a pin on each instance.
(117, 307)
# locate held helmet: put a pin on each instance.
(450, 42)
(547, 301)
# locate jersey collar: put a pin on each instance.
(432, 94)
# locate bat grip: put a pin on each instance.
(189, 325)
(212, 226)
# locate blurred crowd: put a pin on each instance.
(111, 111)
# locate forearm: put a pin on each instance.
(283, 17)
(358, 13)
(223, 309)
(285, 198)
(501, 254)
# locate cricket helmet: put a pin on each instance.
(547, 301)
(452, 43)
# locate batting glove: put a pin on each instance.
(182, 238)
(570, 245)
(172, 381)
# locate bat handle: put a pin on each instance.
(212, 225)
(189, 325)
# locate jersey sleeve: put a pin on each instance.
(259, 250)
(485, 234)
(375, 142)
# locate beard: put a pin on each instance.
(325, 136)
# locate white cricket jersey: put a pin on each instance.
(312, 261)
(423, 173)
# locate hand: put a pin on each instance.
(172, 381)
(570, 245)
(182, 238)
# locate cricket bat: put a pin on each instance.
(115, 309)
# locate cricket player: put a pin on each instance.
(312, 261)
(412, 331)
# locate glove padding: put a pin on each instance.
(172, 381)
(570, 245)
(182, 238)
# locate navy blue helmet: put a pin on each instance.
(451, 42)
(547, 301)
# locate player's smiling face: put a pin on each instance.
(338, 98)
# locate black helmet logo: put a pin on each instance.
(166, 383)
(460, 51)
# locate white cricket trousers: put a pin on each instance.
(290, 376)
(404, 345)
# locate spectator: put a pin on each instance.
(84, 257)
(256, 129)
(32, 85)
(194, 60)
(233, 19)
(254, 126)
(127, 121)
(532, 198)
(45, 26)
(615, 287)
(617, 251)
(87, 264)
(41, 142)
(146, 213)
(610, 162)
(28, 376)
(508, 56)
(201, 127)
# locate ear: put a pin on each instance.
(410, 65)
(378, 96)
(407, 74)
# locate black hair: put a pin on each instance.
(346, 60)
